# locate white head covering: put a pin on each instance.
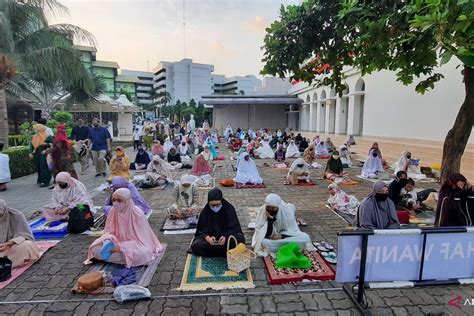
(321, 149)
(265, 151)
(294, 166)
(372, 165)
(167, 145)
(273, 200)
(247, 170)
(292, 150)
(188, 179)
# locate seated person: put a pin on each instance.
(236, 144)
(174, 158)
(186, 195)
(345, 156)
(16, 240)
(321, 149)
(409, 165)
(377, 211)
(276, 226)
(298, 139)
(184, 149)
(309, 154)
(217, 221)
(372, 166)
(167, 146)
(138, 200)
(200, 166)
(395, 187)
(330, 145)
(455, 202)
(334, 169)
(119, 164)
(247, 172)
(128, 238)
(292, 151)
(158, 171)
(303, 145)
(341, 201)
(412, 200)
(206, 153)
(264, 151)
(67, 194)
(351, 141)
(299, 172)
(280, 156)
(191, 146)
(375, 147)
(157, 149)
(142, 159)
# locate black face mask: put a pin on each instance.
(402, 181)
(63, 185)
(374, 154)
(272, 213)
(300, 166)
(381, 196)
(409, 157)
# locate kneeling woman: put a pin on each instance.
(334, 169)
(218, 221)
(247, 172)
(299, 171)
(341, 201)
(67, 193)
(138, 200)
(128, 238)
(16, 240)
(276, 226)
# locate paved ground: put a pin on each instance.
(47, 283)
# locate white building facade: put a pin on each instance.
(378, 105)
(184, 80)
(144, 87)
(237, 85)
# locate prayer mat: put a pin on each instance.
(249, 186)
(209, 186)
(143, 274)
(44, 246)
(320, 270)
(345, 183)
(386, 181)
(201, 274)
(348, 218)
(302, 183)
(426, 218)
(179, 224)
(42, 231)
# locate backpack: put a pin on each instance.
(80, 219)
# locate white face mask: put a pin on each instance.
(119, 206)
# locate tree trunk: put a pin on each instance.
(3, 117)
(456, 140)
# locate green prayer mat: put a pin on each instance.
(289, 256)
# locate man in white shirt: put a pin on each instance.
(4, 169)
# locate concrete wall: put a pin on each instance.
(244, 116)
(125, 126)
(389, 108)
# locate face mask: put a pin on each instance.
(183, 144)
(300, 166)
(63, 185)
(374, 154)
(119, 206)
(409, 157)
(335, 156)
(402, 181)
(216, 209)
(246, 158)
(381, 196)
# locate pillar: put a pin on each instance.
(310, 119)
(350, 117)
(338, 117)
(327, 115)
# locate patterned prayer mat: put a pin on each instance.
(177, 225)
(305, 184)
(143, 274)
(249, 186)
(201, 274)
(209, 186)
(41, 229)
(16, 272)
(320, 270)
(345, 183)
(386, 181)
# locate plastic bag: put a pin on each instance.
(125, 293)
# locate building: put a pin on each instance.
(378, 105)
(235, 85)
(184, 80)
(251, 111)
(144, 86)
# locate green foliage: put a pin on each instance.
(63, 117)
(20, 163)
(16, 140)
(315, 40)
(52, 123)
(27, 130)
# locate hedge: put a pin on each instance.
(20, 163)
(16, 140)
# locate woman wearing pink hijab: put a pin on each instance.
(128, 238)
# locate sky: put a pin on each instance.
(226, 33)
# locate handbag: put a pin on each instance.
(5, 269)
(238, 262)
(80, 219)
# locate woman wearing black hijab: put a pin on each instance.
(396, 186)
(218, 221)
(455, 202)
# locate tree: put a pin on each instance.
(314, 41)
(36, 56)
(126, 93)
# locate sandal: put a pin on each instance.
(301, 222)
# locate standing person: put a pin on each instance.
(44, 122)
(218, 221)
(40, 143)
(80, 131)
(149, 129)
(79, 134)
(100, 145)
(5, 176)
(136, 138)
(61, 153)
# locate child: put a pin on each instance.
(409, 196)
(4, 169)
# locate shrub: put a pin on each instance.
(52, 123)
(16, 140)
(20, 163)
(63, 117)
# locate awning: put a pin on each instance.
(251, 100)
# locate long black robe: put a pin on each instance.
(223, 223)
(455, 207)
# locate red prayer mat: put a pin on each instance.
(320, 270)
(303, 183)
(249, 186)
